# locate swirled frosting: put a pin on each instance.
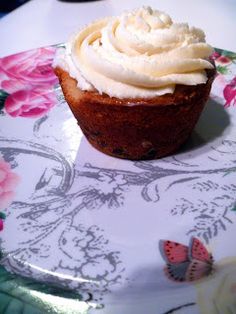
(138, 54)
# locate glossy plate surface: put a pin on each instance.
(81, 231)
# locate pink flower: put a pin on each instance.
(11, 86)
(229, 93)
(30, 103)
(220, 59)
(31, 68)
(223, 60)
(8, 182)
(1, 224)
(214, 55)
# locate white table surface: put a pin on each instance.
(45, 22)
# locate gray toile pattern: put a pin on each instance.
(61, 227)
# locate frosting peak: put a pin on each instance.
(138, 54)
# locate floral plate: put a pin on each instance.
(82, 232)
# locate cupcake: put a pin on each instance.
(136, 83)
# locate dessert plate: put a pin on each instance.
(82, 232)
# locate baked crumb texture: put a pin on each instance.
(136, 129)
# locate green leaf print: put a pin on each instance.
(20, 295)
(3, 97)
(2, 215)
(231, 55)
(221, 69)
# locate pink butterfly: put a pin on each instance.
(186, 263)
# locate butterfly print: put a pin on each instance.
(186, 263)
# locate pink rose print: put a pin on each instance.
(229, 93)
(8, 183)
(31, 68)
(26, 83)
(2, 218)
(223, 60)
(33, 103)
(220, 59)
(12, 86)
(1, 224)
(214, 55)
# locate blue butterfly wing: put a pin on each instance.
(177, 272)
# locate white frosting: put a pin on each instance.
(138, 54)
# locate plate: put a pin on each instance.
(82, 232)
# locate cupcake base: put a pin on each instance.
(136, 129)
